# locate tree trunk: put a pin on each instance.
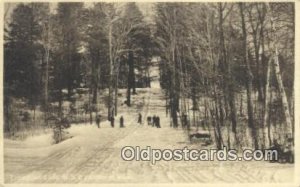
(60, 102)
(217, 124)
(46, 87)
(228, 87)
(241, 105)
(269, 121)
(95, 81)
(116, 89)
(232, 110)
(130, 77)
(90, 105)
(266, 104)
(174, 92)
(7, 111)
(133, 80)
(256, 44)
(46, 41)
(128, 100)
(285, 104)
(249, 80)
(111, 64)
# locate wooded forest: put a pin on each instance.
(229, 67)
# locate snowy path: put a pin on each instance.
(94, 155)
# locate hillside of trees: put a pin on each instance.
(228, 66)
(235, 63)
(60, 57)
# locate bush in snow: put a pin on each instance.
(59, 129)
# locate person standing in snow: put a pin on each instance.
(157, 122)
(140, 118)
(112, 121)
(98, 119)
(153, 121)
(184, 120)
(121, 122)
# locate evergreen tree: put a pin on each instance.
(22, 47)
(68, 38)
(137, 43)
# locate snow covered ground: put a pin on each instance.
(94, 155)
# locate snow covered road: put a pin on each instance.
(94, 155)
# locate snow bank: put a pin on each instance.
(43, 140)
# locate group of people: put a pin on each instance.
(154, 121)
(112, 121)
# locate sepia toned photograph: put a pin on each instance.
(149, 92)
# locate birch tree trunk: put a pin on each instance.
(110, 72)
(266, 105)
(283, 96)
(174, 91)
(285, 104)
(116, 89)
